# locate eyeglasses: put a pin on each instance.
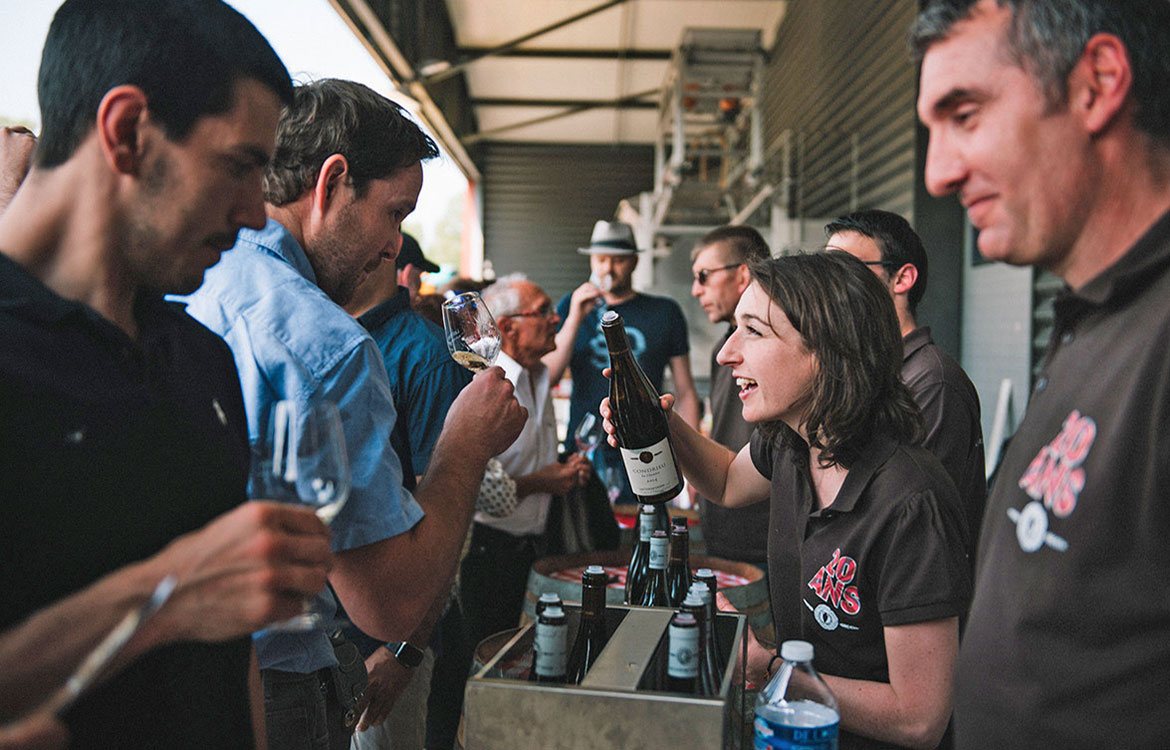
(544, 311)
(704, 274)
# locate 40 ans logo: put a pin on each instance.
(833, 585)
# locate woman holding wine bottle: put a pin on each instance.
(866, 537)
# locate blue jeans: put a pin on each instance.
(302, 712)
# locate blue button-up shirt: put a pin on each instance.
(290, 341)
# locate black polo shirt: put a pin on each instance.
(732, 533)
(950, 412)
(1068, 643)
(888, 551)
(109, 449)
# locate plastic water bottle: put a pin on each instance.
(796, 711)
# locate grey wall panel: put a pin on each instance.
(540, 203)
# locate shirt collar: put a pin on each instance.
(22, 292)
(873, 456)
(380, 313)
(1140, 265)
(276, 240)
(914, 341)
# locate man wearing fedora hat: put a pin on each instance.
(655, 325)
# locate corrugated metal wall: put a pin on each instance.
(840, 78)
(540, 203)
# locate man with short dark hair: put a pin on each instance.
(1051, 121)
(347, 171)
(719, 265)
(891, 248)
(124, 431)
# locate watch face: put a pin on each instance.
(408, 655)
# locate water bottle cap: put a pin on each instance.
(705, 573)
(595, 570)
(796, 651)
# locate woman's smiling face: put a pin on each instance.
(770, 362)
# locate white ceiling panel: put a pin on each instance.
(555, 78)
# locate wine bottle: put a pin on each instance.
(682, 663)
(656, 594)
(678, 572)
(709, 673)
(550, 646)
(707, 576)
(639, 567)
(641, 426)
(591, 634)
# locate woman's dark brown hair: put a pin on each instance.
(846, 319)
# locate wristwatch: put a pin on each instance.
(407, 655)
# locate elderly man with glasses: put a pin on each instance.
(494, 573)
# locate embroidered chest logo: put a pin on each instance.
(833, 585)
(1054, 481)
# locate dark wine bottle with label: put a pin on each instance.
(682, 660)
(642, 431)
(678, 571)
(550, 647)
(591, 634)
(707, 576)
(708, 669)
(656, 593)
(639, 567)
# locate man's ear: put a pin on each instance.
(904, 279)
(743, 278)
(331, 178)
(1100, 83)
(120, 128)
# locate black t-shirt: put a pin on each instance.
(110, 449)
(1068, 642)
(888, 551)
(732, 533)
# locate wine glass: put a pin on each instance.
(587, 436)
(302, 459)
(471, 331)
(605, 284)
(613, 483)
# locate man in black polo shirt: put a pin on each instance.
(886, 243)
(719, 267)
(1051, 121)
(123, 427)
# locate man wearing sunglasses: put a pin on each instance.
(886, 243)
(719, 265)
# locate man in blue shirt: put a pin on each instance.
(346, 172)
(425, 381)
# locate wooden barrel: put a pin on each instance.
(513, 665)
(743, 584)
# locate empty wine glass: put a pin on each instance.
(613, 483)
(302, 459)
(471, 331)
(587, 436)
(605, 284)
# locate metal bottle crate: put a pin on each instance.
(611, 708)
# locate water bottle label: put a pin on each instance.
(651, 469)
(551, 649)
(811, 729)
(684, 653)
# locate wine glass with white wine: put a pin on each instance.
(302, 459)
(471, 331)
